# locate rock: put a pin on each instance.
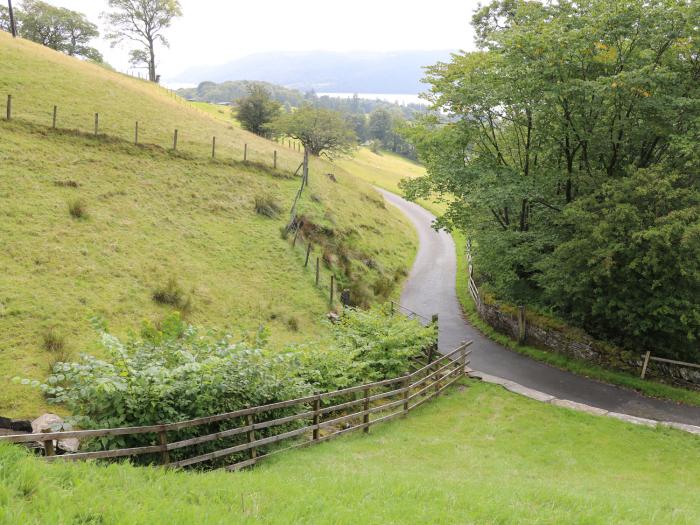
(54, 423)
(333, 317)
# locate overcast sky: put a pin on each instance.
(216, 31)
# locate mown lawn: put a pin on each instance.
(478, 455)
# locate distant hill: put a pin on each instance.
(395, 72)
(232, 90)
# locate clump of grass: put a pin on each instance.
(267, 206)
(53, 342)
(77, 209)
(172, 294)
(293, 324)
(66, 183)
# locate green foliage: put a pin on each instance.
(321, 131)
(632, 260)
(53, 341)
(383, 344)
(563, 103)
(257, 109)
(61, 29)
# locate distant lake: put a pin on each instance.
(398, 98)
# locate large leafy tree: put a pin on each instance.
(141, 22)
(561, 100)
(61, 29)
(321, 131)
(257, 109)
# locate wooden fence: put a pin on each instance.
(648, 358)
(318, 418)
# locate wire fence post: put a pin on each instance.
(332, 288)
(245, 152)
(175, 141)
(308, 253)
(9, 107)
(55, 115)
(274, 160)
(13, 24)
(318, 270)
(136, 134)
(213, 147)
(97, 123)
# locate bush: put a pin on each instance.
(381, 343)
(77, 209)
(170, 375)
(267, 206)
(172, 294)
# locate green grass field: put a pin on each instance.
(152, 215)
(478, 455)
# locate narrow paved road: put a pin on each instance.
(430, 289)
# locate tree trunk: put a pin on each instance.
(13, 26)
(151, 62)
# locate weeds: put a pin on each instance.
(77, 209)
(267, 206)
(172, 294)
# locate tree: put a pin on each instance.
(61, 29)
(257, 109)
(380, 125)
(141, 22)
(562, 99)
(5, 19)
(321, 131)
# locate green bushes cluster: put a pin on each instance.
(175, 372)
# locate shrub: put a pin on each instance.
(267, 206)
(77, 209)
(172, 294)
(169, 376)
(381, 343)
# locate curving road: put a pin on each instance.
(430, 289)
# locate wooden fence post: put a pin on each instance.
(296, 234)
(431, 351)
(332, 288)
(521, 324)
(647, 355)
(318, 270)
(245, 152)
(250, 420)
(9, 107)
(308, 253)
(49, 449)
(213, 147)
(365, 408)
(274, 160)
(175, 141)
(97, 123)
(392, 308)
(406, 392)
(53, 120)
(317, 417)
(163, 442)
(136, 134)
(463, 358)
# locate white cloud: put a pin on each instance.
(215, 31)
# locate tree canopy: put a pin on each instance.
(558, 123)
(321, 131)
(142, 23)
(257, 109)
(61, 29)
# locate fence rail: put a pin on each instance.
(648, 358)
(411, 391)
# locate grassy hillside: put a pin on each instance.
(480, 455)
(153, 216)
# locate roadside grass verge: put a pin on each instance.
(476, 455)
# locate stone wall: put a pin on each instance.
(579, 345)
